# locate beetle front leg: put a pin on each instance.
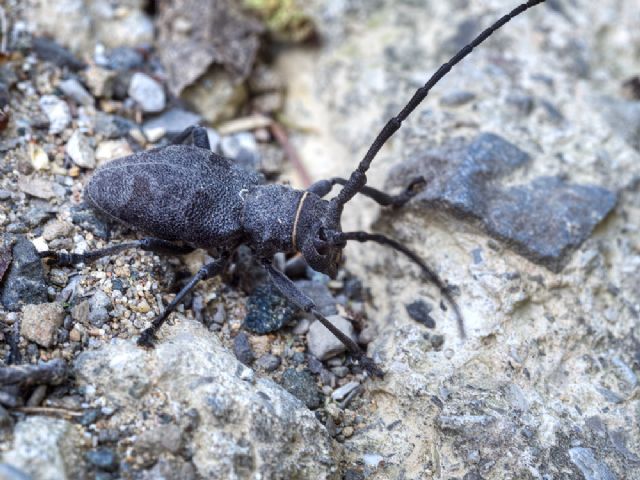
(209, 270)
(295, 296)
(323, 187)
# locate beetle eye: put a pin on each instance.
(321, 246)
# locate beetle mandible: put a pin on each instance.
(188, 193)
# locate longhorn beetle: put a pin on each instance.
(187, 193)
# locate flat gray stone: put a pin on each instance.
(322, 343)
(544, 220)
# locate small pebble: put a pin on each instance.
(40, 323)
(111, 149)
(73, 89)
(57, 111)
(302, 385)
(80, 151)
(147, 93)
(343, 391)
(322, 343)
(242, 349)
(269, 362)
(103, 458)
(420, 312)
(242, 148)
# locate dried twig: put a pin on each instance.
(52, 411)
(281, 137)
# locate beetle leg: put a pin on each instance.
(323, 187)
(209, 270)
(198, 135)
(149, 244)
(295, 296)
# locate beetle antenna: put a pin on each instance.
(358, 178)
(339, 238)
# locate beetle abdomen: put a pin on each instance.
(178, 192)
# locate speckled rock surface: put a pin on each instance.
(546, 384)
(235, 424)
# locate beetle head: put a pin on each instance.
(317, 225)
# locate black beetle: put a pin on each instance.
(189, 194)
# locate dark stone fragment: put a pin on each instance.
(103, 459)
(267, 310)
(320, 294)
(123, 58)
(242, 349)
(50, 51)
(352, 474)
(420, 312)
(631, 88)
(87, 219)
(24, 282)
(5, 422)
(315, 365)
(5, 258)
(472, 476)
(89, 417)
(269, 362)
(303, 386)
(465, 32)
(296, 267)
(112, 126)
(353, 289)
(544, 220)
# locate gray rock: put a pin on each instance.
(267, 310)
(103, 459)
(73, 89)
(303, 386)
(340, 393)
(173, 121)
(47, 449)
(40, 188)
(322, 343)
(269, 362)
(242, 349)
(589, 466)
(50, 51)
(40, 323)
(544, 220)
(147, 93)
(121, 58)
(420, 312)
(57, 111)
(244, 429)
(111, 126)
(99, 307)
(80, 151)
(24, 282)
(9, 472)
(320, 294)
(243, 148)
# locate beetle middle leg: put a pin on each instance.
(323, 187)
(150, 244)
(209, 270)
(196, 133)
(295, 296)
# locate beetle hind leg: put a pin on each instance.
(197, 134)
(147, 337)
(150, 244)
